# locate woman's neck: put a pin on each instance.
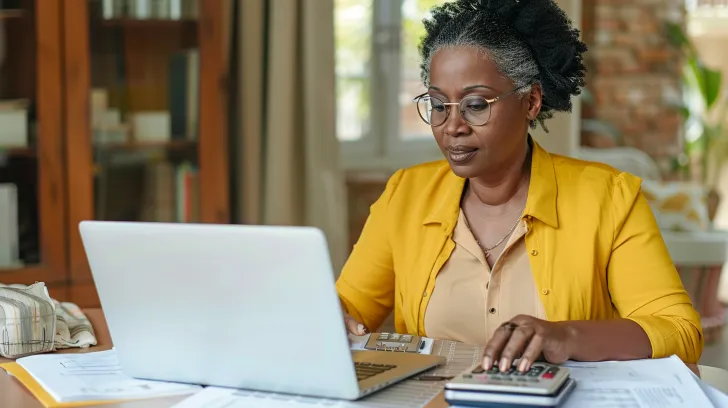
(499, 188)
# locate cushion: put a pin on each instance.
(678, 205)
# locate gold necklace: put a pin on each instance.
(486, 251)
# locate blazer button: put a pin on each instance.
(545, 291)
(534, 252)
(424, 294)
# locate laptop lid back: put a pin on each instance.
(250, 307)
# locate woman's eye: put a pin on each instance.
(477, 106)
(438, 108)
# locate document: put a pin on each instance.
(93, 377)
(216, 397)
(719, 399)
(653, 383)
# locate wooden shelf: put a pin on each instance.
(8, 14)
(18, 269)
(153, 23)
(170, 145)
(29, 274)
(18, 151)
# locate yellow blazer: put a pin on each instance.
(595, 251)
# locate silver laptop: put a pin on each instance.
(252, 307)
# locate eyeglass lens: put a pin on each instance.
(474, 109)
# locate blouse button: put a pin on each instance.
(492, 310)
(534, 252)
(545, 291)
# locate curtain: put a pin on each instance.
(289, 169)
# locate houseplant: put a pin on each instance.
(704, 115)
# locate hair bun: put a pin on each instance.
(548, 32)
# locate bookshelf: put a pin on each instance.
(127, 121)
(32, 186)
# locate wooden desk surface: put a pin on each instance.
(14, 394)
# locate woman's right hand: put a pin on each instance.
(354, 327)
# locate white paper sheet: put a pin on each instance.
(658, 383)
(216, 397)
(94, 376)
(718, 398)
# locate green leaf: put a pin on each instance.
(677, 37)
(713, 85)
(682, 109)
(708, 81)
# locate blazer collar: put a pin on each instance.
(540, 204)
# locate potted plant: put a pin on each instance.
(704, 116)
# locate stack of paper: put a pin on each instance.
(658, 383)
(93, 377)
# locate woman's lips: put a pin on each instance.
(461, 154)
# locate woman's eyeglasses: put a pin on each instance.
(474, 109)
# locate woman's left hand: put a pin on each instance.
(528, 338)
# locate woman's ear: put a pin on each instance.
(535, 99)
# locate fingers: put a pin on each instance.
(354, 327)
(493, 349)
(516, 345)
(532, 353)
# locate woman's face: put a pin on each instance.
(474, 151)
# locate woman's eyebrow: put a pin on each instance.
(471, 87)
(466, 89)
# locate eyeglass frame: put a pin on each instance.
(448, 104)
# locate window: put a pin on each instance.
(377, 76)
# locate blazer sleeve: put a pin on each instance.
(366, 283)
(643, 282)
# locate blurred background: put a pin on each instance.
(296, 112)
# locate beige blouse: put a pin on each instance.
(470, 301)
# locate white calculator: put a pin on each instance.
(544, 385)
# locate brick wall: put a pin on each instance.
(634, 74)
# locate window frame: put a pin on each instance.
(382, 148)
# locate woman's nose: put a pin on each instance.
(455, 125)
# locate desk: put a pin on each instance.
(14, 394)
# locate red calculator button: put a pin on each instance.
(548, 375)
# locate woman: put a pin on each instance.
(533, 254)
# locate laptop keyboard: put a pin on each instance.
(368, 370)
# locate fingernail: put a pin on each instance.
(504, 364)
(360, 329)
(522, 365)
(487, 363)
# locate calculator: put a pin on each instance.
(543, 385)
(406, 343)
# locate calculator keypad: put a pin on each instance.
(399, 338)
(393, 342)
(536, 373)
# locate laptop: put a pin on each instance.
(250, 307)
